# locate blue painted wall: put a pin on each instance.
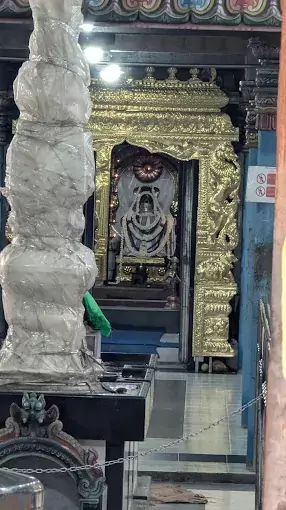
(246, 283)
(258, 221)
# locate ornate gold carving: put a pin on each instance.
(102, 187)
(216, 267)
(148, 168)
(223, 196)
(182, 120)
(211, 322)
(155, 268)
(138, 261)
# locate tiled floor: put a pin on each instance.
(209, 397)
(230, 500)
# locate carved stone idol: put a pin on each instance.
(146, 230)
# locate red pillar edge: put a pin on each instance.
(274, 491)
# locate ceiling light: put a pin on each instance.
(87, 27)
(111, 73)
(94, 54)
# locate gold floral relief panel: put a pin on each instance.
(102, 191)
(190, 126)
(217, 236)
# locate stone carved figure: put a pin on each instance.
(32, 431)
(223, 198)
(216, 269)
(146, 230)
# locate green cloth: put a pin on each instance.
(95, 318)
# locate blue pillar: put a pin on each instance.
(246, 283)
(258, 221)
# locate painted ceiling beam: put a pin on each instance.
(244, 13)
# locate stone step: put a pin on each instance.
(130, 303)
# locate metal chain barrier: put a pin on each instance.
(262, 361)
(139, 454)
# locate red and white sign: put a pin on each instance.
(261, 181)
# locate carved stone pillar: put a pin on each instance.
(266, 84)
(247, 89)
(259, 92)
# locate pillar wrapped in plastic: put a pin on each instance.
(46, 271)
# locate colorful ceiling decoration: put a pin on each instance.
(202, 12)
(14, 6)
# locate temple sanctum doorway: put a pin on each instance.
(143, 216)
(152, 233)
(167, 181)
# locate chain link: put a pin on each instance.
(121, 460)
(264, 392)
(260, 365)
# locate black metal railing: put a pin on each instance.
(263, 349)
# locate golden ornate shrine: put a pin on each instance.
(182, 120)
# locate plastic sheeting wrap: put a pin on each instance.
(46, 270)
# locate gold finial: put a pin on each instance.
(213, 74)
(172, 71)
(194, 74)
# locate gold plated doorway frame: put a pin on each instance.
(183, 120)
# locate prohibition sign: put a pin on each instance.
(260, 191)
(261, 179)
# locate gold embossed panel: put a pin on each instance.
(183, 120)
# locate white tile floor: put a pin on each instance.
(167, 354)
(209, 397)
(229, 500)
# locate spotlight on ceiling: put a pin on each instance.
(94, 54)
(87, 27)
(111, 73)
